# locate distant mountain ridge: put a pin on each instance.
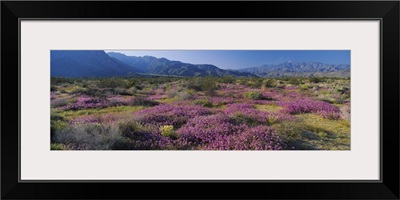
(163, 66)
(84, 63)
(300, 69)
(97, 63)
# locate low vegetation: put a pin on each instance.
(210, 113)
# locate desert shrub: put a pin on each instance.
(317, 79)
(254, 95)
(131, 90)
(123, 91)
(305, 87)
(89, 136)
(94, 92)
(143, 102)
(338, 99)
(53, 88)
(209, 85)
(194, 84)
(122, 143)
(203, 102)
(84, 84)
(118, 101)
(172, 93)
(119, 91)
(55, 116)
(139, 87)
(281, 86)
(142, 137)
(57, 146)
(56, 125)
(294, 81)
(346, 96)
(113, 83)
(59, 102)
(290, 133)
(184, 95)
(132, 82)
(76, 89)
(345, 123)
(60, 80)
(344, 90)
(242, 81)
(227, 79)
(168, 87)
(242, 113)
(130, 129)
(284, 79)
(241, 118)
(254, 82)
(326, 99)
(269, 83)
(168, 131)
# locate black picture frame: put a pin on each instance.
(13, 11)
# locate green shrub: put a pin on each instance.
(53, 88)
(94, 92)
(291, 133)
(209, 85)
(123, 91)
(203, 102)
(166, 130)
(57, 146)
(305, 87)
(132, 90)
(254, 95)
(59, 102)
(269, 83)
(227, 79)
(113, 83)
(134, 130)
(184, 95)
(143, 102)
(344, 90)
(172, 93)
(56, 125)
(168, 87)
(55, 116)
(240, 118)
(317, 79)
(89, 137)
(254, 83)
(60, 80)
(194, 84)
(294, 81)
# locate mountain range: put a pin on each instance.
(97, 63)
(84, 63)
(163, 66)
(300, 69)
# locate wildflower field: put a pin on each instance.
(210, 113)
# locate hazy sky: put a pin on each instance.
(236, 59)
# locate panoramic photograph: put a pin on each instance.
(200, 100)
